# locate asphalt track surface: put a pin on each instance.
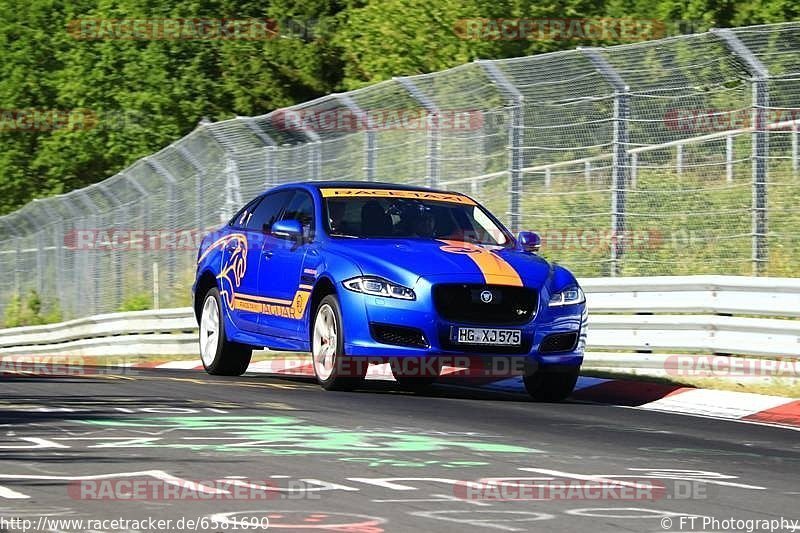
(378, 459)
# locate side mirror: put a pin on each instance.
(287, 229)
(529, 241)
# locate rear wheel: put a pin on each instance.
(550, 385)
(220, 356)
(334, 370)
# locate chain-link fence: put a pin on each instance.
(677, 156)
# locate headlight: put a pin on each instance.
(379, 287)
(569, 296)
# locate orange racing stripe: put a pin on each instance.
(495, 269)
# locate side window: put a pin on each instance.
(301, 208)
(266, 213)
(241, 218)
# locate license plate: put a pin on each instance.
(493, 336)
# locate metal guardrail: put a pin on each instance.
(625, 313)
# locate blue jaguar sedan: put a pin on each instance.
(359, 273)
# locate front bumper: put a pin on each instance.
(360, 310)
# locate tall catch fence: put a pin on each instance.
(670, 157)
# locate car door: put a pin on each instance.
(282, 268)
(246, 298)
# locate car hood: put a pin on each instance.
(405, 260)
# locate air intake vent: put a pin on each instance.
(559, 342)
(398, 335)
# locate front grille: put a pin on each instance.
(398, 335)
(559, 342)
(462, 302)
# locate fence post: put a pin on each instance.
(729, 158)
(76, 216)
(516, 126)
(619, 160)
(315, 152)
(233, 195)
(146, 224)
(90, 267)
(17, 269)
(679, 159)
(38, 251)
(794, 147)
(759, 76)
(58, 243)
(269, 152)
(199, 173)
(434, 163)
(370, 139)
(159, 169)
(115, 254)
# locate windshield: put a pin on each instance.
(404, 217)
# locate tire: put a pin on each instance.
(333, 369)
(220, 356)
(419, 381)
(551, 386)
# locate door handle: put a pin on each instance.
(267, 253)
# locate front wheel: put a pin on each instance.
(220, 356)
(551, 386)
(334, 370)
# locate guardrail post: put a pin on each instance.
(759, 76)
(516, 125)
(434, 141)
(619, 159)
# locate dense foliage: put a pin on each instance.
(139, 95)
